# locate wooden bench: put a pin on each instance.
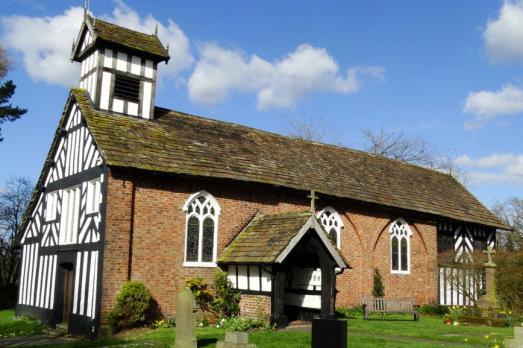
(390, 305)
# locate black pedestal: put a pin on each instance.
(329, 333)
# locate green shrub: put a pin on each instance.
(433, 309)
(378, 289)
(202, 293)
(223, 301)
(131, 308)
(350, 312)
(243, 324)
(454, 314)
(509, 281)
(226, 301)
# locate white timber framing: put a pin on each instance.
(65, 218)
(458, 286)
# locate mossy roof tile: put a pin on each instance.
(179, 143)
(264, 239)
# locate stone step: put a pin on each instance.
(60, 330)
(518, 333)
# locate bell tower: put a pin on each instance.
(118, 66)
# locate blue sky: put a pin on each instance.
(449, 72)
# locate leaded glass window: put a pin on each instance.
(201, 231)
(208, 240)
(332, 223)
(193, 231)
(400, 235)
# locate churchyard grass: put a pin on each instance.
(9, 327)
(428, 332)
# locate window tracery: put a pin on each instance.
(400, 234)
(332, 223)
(202, 211)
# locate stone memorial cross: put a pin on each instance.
(490, 251)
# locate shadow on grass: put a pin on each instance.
(204, 342)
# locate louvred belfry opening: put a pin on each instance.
(118, 66)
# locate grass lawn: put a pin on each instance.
(9, 327)
(427, 333)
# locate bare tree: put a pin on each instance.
(312, 129)
(14, 199)
(391, 144)
(511, 213)
(396, 145)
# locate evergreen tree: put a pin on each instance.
(7, 89)
(378, 290)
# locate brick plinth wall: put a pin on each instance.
(145, 237)
(255, 306)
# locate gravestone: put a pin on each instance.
(517, 341)
(489, 300)
(234, 339)
(330, 333)
(185, 320)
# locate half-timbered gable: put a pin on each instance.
(65, 228)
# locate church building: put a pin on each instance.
(131, 191)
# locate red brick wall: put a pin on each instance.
(255, 306)
(159, 232)
(116, 248)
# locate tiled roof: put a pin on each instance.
(264, 239)
(124, 37)
(180, 143)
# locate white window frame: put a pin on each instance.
(51, 206)
(94, 195)
(400, 229)
(329, 219)
(201, 217)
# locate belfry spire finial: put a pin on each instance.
(86, 7)
(156, 29)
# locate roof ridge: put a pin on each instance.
(95, 20)
(297, 213)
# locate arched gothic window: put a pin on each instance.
(400, 234)
(332, 223)
(202, 211)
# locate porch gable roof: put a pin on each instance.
(268, 239)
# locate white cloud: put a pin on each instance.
(504, 35)
(46, 57)
(170, 34)
(45, 44)
(279, 84)
(487, 105)
(497, 168)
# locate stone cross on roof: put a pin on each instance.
(313, 198)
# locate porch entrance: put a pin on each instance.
(307, 281)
